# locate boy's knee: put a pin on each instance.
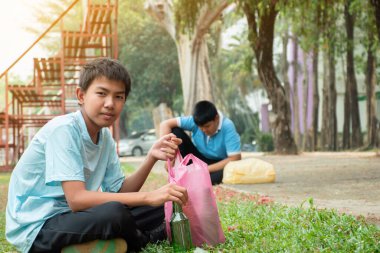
(178, 132)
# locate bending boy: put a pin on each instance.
(214, 139)
(54, 198)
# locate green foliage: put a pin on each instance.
(51, 11)
(150, 56)
(140, 119)
(265, 142)
(186, 13)
(234, 80)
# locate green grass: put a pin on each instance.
(254, 224)
(253, 227)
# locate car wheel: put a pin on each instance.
(137, 152)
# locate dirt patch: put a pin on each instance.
(348, 182)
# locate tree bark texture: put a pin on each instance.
(346, 142)
(315, 98)
(329, 125)
(261, 40)
(325, 103)
(376, 6)
(332, 102)
(306, 91)
(315, 75)
(372, 121)
(295, 97)
(285, 65)
(192, 49)
(351, 85)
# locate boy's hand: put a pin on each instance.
(168, 192)
(165, 147)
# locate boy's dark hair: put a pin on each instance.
(204, 111)
(104, 67)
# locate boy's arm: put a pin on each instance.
(165, 148)
(167, 125)
(80, 199)
(221, 164)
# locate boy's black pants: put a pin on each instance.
(108, 221)
(187, 147)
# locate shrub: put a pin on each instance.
(265, 142)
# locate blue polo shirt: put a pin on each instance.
(61, 151)
(225, 142)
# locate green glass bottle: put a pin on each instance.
(180, 229)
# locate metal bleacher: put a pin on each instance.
(52, 90)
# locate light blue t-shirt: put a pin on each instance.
(225, 142)
(61, 151)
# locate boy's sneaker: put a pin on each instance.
(98, 246)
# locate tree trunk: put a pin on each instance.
(332, 101)
(315, 97)
(195, 71)
(376, 6)
(329, 126)
(306, 88)
(192, 49)
(261, 40)
(295, 98)
(370, 78)
(346, 141)
(357, 140)
(285, 64)
(315, 114)
(325, 105)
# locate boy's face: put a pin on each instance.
(102, 103)
(210, 127)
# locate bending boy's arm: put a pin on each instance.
(221, 164)
(167, 125)
(80, 199)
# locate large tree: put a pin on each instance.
(188, 23)
(151, 58)
(261, 17)
(351, 108)
(303, 22)
(370, 70)
(376, 6)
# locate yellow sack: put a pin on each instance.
(248, 171)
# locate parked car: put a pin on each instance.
(248, 147)
(137, 144)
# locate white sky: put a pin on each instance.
(15, 15)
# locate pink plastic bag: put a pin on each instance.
(201, 209)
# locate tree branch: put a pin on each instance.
(162, 12)
(209, 16)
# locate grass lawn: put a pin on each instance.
(253, 223)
